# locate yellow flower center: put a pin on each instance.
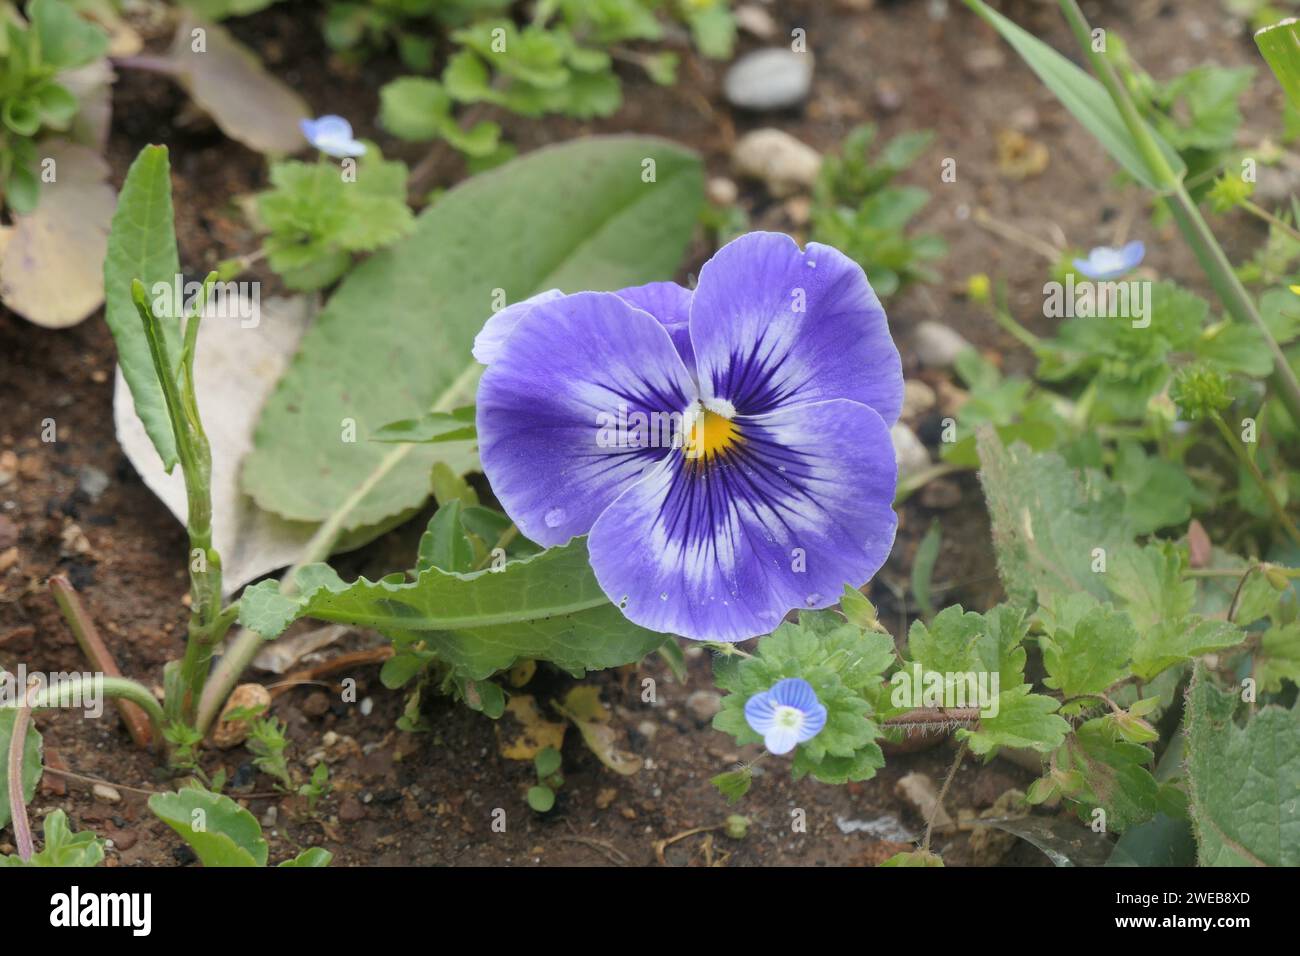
(710, 435)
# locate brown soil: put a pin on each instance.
(402, 798)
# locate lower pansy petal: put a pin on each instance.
(774, 326)
(670, 303)
(795, 508)
(584, 395)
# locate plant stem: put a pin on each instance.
(65, 692)
(1261, 213)
(207, 622)
(1274, 505)
(943, 792)
(17, 805)
(97, 653)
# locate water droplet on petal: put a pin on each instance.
(811, 264)
(663, 596)
(554, 517)
(813, 599)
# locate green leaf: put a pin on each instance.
(433, 427)
(1278, 657)
(734, 784)
(142, 245)
(1084, 97)
(419, 109)
(1244, 781)
(1047, 522)
(312, 857)
(927, 552)
(1280, 47)
(914, 858)
(32, 749)
(443, 544)
(958, 642)
(1172, 642)
(1023, 720)
(1116, 776)
(218, 829)
(66, 40)
(1087, 647)
(577, 216)
(547, 762)
(541, 799)
(63, 848)
(546, 607)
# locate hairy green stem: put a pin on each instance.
(17, 805)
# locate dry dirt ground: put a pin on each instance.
(402, 798)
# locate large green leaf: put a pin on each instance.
(394, 341)
(218, 829)
(1244, 780)
(142, 245)
(545, 607)
(1083, 96)
(31, 761)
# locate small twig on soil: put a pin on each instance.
(662, 845)
(607, 850)
(100, 657)
(943, 792)
(310, 675)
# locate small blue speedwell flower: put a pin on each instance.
(777, 489)
(787, 714)
(332, 135)
(1105, 263)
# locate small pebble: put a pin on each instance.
(106, 794)
(775, 78)
(92, 482)
(918, 398)
(781, 162)
(911, 455)
(936, 345)
(703, 705)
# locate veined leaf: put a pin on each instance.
(1280, 46)
(1084, 97)
(546, 607)
(395, 339)
(218, 829)
(1244, 780)
(142, 245)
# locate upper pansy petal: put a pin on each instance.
(798, 506)
(549, 406)
(772, 325)
(495, 331)
(670, 303)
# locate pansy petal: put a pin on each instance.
(781, 740)
(548, 403)
(760, 712)
(488, 342)
(670, 303)
(774, 326)
(720, 550)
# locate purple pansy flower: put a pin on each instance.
(332, 135)
(787, 714)
(1105, 263)
(780, 381)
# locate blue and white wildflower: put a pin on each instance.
(1104, 262)
(332, 135)
(787, 714)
